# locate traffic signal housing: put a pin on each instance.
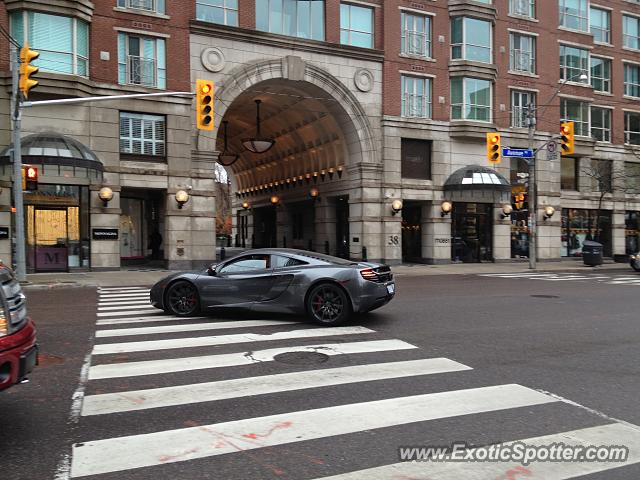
(26, 83)
(29, 178)
(567, 138)
(204, 105)
(494, 154)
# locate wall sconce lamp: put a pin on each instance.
(506, 210)
(106, 195)
(182, 197)
(275, 200)
(445, 208)
(396, 206)
(246, 205)
(548, 212)
(314, 194)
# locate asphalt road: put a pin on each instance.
(576, 339)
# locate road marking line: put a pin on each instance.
(612, 434)
(262, 385)
(124, 292)
(174, 343)
(121, 307)
(190, 327)
(158, 448)
(129, 312)
(123, 295)
(132, 303)
(148, 319)
(155, 367)
(111, 289)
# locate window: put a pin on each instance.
(601, 74)
(632, 128)
(356, 25)
(471, 39)
(416, 35)
(520, 101)
(416, 97)
(154, 6)
(601, 175)
(600, 25)
(524, 8)
(296, 18)
(577, 112)
(247, 263)
(224, 12)
(568, 173)
(63, 42)
(574, 14)
(573, 63)
(142, 134)
(632, 177)
(278, 261)
(141, 61)
(601, 124)
(631, 32)
(632, 80)
(416, 158)
(470, 99)
(522, 51)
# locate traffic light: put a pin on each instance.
(567, 140)
(494, 154)
(29, 178)
(26, 70)
(204, 105)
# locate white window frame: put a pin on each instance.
(626, 36)
(605, 81)
(130, 61)
(608, 27)
(297, 24)
(627, 85)
(156, 6)
(518, 57)
(582, 126)
(410, 36)
(583, 20)
(350, 29)
(410, 99)
(519, 113)
(516, 7)
(606, 132)
(564, 69)
(157, 142)
(627, 131)
(225, 10)
(463, 104)
(464, 44)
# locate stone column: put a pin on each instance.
(105, 254)
(436, 235)
(618, 236)
(501, 235)
(283, 229)
(5, 221)
(325, 215)
(178, 244)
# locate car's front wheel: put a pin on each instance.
(328, 305)
(182, 299)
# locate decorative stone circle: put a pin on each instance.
(363, 79)
(213, 59)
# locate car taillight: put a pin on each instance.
(369, 274)
(4, 325)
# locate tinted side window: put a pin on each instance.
(251, 262)
(280, 261)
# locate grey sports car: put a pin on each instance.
(326, 288)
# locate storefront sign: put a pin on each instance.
(4, 233)
(51, 259)
(104, 233)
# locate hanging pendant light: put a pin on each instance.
(226, 159)
(258, 144)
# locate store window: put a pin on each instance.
(296, 18)
(574, 14)
(63, 42)
(601, 124)
(577, 112)
(574, 62)
(521, 101)
(416, 35)
(356, 25)
(569, 173)
(224, 12)
(522, 53)
(416, 97)
(471, 39)
(600, 25)
(142, 135)
(141, 61)
(470, 99)
(632, 232)
(520, 203)
(579, 225)
(151, 6)
(601, 74)
(416, 158)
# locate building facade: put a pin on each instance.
(355, 128)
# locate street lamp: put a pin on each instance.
(105, 194)
(396, 207)
(182, 197)
(506, 210)
(533, 199)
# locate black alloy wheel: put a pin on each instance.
(182, 299)
(328, 305)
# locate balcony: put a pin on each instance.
(146, 5)
(416, 43)
(522, 61)
(141, 71)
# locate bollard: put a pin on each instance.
(223, 254)
(364, 253)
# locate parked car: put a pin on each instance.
(327, 289)
(634, 260)
(18, 347)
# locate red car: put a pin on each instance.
(18, 347)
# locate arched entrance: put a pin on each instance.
(295, 193)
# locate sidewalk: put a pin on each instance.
(149, 277)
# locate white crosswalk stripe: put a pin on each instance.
(569, 277)
(116, 376)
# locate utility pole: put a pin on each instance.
(533, 198)
(20, 255)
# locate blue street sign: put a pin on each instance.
(517, 152)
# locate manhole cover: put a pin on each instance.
(301, 358)
(545, 296)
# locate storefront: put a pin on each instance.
(579, 225)
(141, 221)
(520, 205)
(632, 232)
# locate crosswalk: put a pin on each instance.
(165, 393)
(619, 279)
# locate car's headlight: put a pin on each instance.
(4, 325)
(635, 257)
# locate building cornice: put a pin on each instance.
(75, 8)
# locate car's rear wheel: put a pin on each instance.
(328, 305)
(182, 299)
(635, 264)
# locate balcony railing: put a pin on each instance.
(522, 61)
(148, 5)
(521, 7)
(417, 106)
(417, 43)
(141, 71)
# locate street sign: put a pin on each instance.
(517, 152)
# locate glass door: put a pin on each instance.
(50, 235)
